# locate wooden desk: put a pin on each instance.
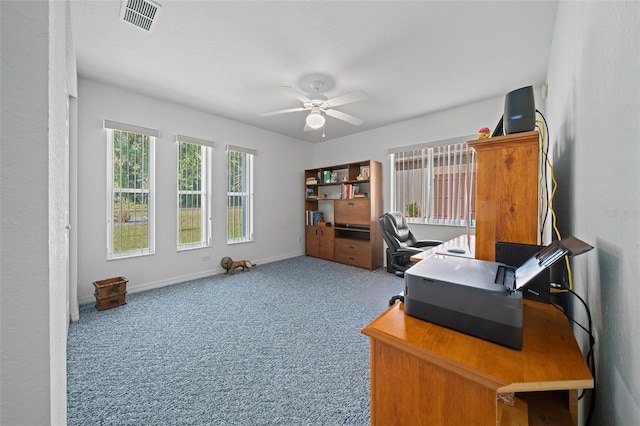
(459, 242)
(425, 374)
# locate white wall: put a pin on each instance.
(58, 209)
(374, 144)
(278, 203)
(32, 208)
(594, 116)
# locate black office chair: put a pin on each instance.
(401, 243)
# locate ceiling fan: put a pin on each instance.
(317, 104)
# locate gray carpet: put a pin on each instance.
(279, 345)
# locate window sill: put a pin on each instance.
(129, 256)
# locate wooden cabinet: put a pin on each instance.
(349, 196)
(320, 241)
(354, 212)
(353, 252)
(506, 191)
(425, 374)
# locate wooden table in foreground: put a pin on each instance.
(425, 374)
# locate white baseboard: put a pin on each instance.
(176, 280)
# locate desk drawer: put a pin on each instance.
(353, 252)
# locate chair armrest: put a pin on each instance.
(428, 243)
(406, 251)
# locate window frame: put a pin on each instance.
(437, 199)
(206, 163)
(112, 127)
(246, 194)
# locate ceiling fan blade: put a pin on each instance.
(297, 94)
(282, 111)
(344, 117)
(347, 99)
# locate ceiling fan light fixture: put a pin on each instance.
(315, 120)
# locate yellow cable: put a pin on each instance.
(541, 127)
(553, 213)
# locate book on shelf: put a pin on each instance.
(350, 191)
(311, 195)
(313, 217)
(312, 181)
(346, 191)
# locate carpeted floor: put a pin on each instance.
(279, 345)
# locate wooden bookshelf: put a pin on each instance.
(349, 196)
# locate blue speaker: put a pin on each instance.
(519, 111)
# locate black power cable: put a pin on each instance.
(590, 354)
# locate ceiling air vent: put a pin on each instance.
(140, 13)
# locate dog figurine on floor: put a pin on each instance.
(231, 265)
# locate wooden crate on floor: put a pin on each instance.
(110, 292)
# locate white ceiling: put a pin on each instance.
(228, 58)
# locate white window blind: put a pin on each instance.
(193, 197)
(130, 190)
(240, 194)
(434, 183)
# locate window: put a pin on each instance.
(193, 197)
(130, 190)
(434, 184)
(239, 194)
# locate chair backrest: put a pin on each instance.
(395, 231)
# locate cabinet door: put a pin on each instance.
(312, 239)
(327, 236)
(352, 212)
(507, 191)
